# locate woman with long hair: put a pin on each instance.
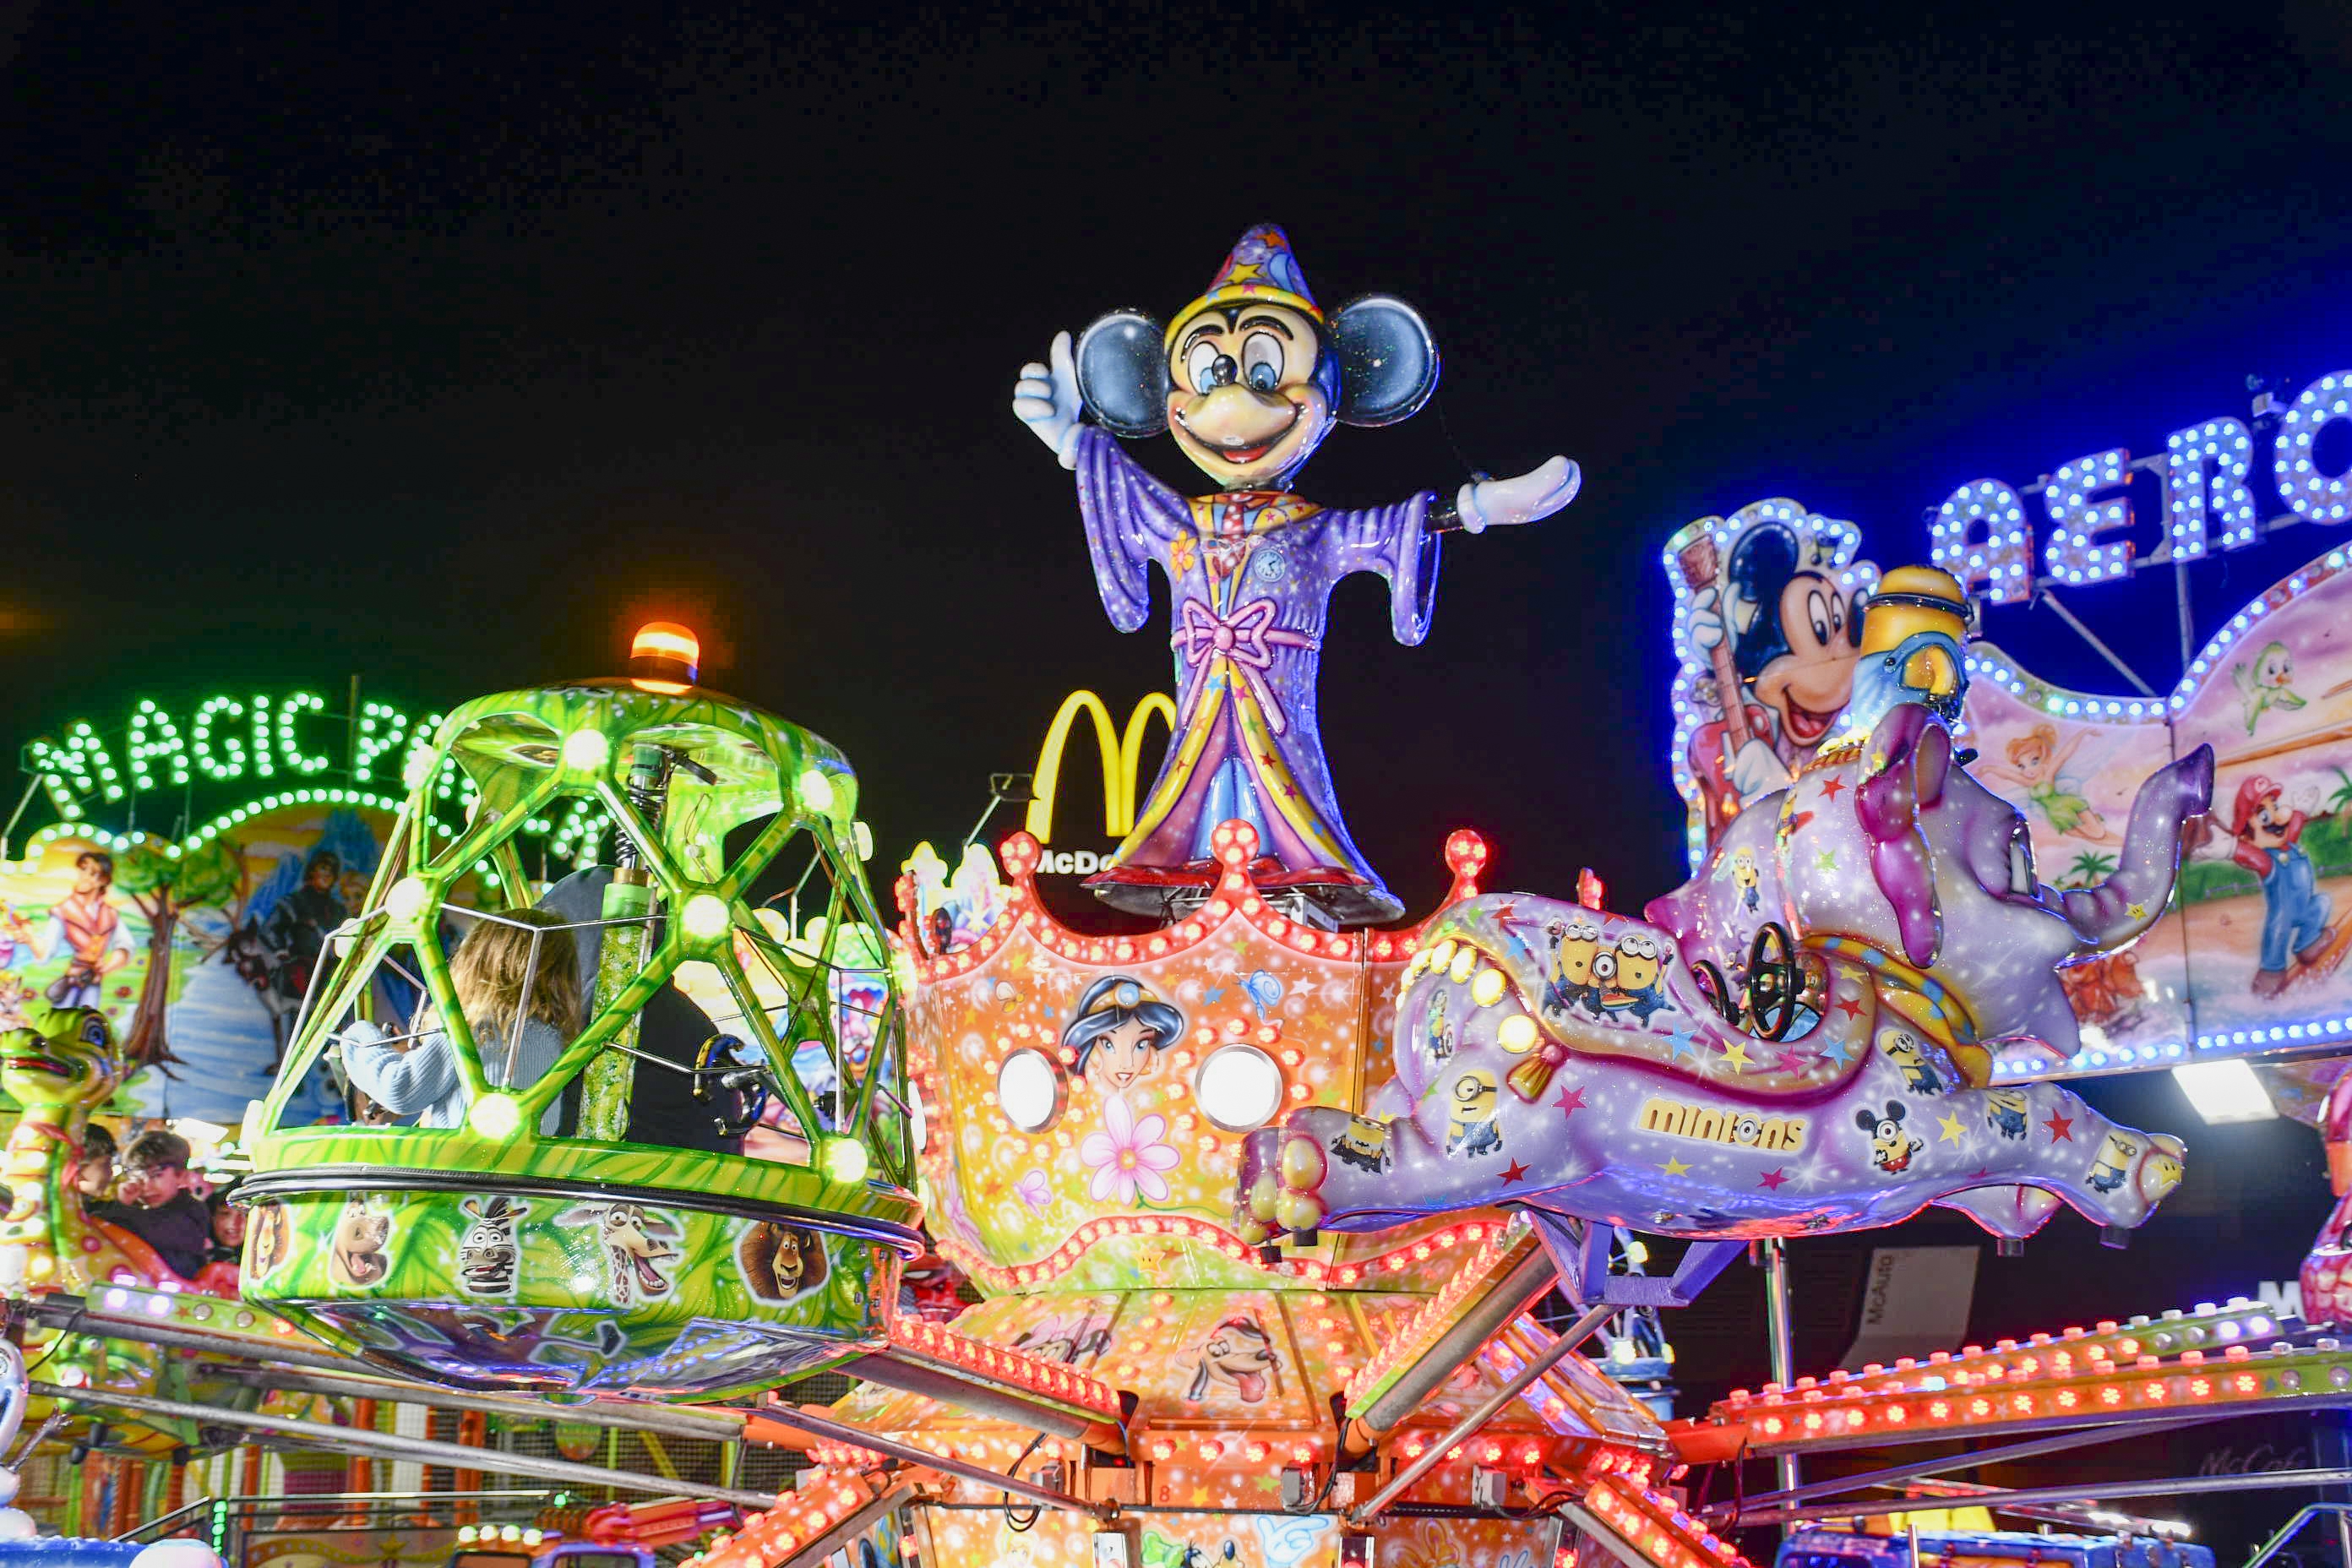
(518, 967)
(1117, 1031)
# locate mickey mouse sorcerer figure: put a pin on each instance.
(1250, 378)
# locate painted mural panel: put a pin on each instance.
(198, 954)
(2253, 955)
(2267, 905)
(2074, 774)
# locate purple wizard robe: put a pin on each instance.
(1250, 576)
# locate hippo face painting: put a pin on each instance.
(1921, 945)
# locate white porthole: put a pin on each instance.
(919, 1125)
(1029, 1090)
(1239, 1088)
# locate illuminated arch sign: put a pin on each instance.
(2220, 484)
(214, 764)
(1121, 753)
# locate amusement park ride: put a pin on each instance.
(1264, 1201)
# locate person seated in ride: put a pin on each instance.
(518, 965)
(229, 1225)
(154, 1204)
(662, 1106)
(93, 1170)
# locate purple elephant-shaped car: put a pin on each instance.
(1600, 1068)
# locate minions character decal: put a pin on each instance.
(1471, 1129)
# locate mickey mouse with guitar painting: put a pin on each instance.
(1772, 631)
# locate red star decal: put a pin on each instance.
(1773, 1179)
(1570, 1101)
(1796, 1061)
(2061, 1127)
(1830, 785)
(1514, 1173)
(1505, 912)
(1849, 1006)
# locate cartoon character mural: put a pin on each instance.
(2035, 759)
(85, 928)
(1437, 1036)
(2267, 683)
(1576, 943)
(1769, 626)
(1471, 1129)
(196, 952)
(778, 1262)
(1747, 878)
(2005, 1113)
(2271, 693)
(1891, 1144)
(1904, 1049)
(1238, 1355)
(355, 1254)
(1117, 1033)
(1067, 1337)
(1628, 976)
(2117, 1154)
(1249, 379)
(488, 1255)
(1364, 1144)
(635, 1242)
(268, 1239)
(2266, 837)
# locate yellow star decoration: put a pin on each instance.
(1736, 1053)
(2137, 912)
(1674, 1167)
(1952, 1129)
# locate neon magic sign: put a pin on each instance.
(1983, 535)
(261, 750)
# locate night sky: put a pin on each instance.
(442, 346)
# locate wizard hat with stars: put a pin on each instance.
(1261, 267)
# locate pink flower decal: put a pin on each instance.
(1127, 1155)
(1034, 1189)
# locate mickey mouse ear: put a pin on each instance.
(1388, 361)
(1123, 373)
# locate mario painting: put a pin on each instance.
(2296, 938)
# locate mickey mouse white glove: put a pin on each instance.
(1046, 400)
(1531, 497)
